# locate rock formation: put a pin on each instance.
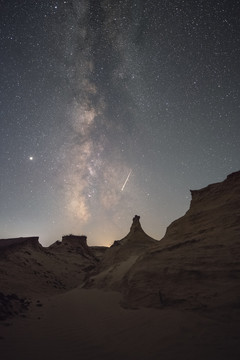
(60, 267)
(197, 263)
(73, 244)
(4, 243)
(195, 266)
(118, 259)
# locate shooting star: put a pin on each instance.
(126, 180)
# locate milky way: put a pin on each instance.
(92, 91)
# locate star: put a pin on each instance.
(124, 89)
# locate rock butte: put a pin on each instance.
(17, 241)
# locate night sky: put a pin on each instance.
(114, 108)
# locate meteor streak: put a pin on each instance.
(126, 180)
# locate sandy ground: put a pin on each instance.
(90, 324)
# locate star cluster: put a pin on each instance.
(94, 91)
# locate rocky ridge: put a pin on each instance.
(119, 258)
(197, 263)
(195, 266)
(58, 268)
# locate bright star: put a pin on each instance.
(31, 158)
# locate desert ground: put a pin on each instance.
(91, 324)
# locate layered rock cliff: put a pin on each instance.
(195, 266)
(197, 263)
(73, 244)
(28, 268)
(31, 241)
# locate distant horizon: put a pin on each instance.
(112, 109)
(110, 243)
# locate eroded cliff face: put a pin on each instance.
(197, 263)
(73, 244)
(31, 241)
(195, 266)
(119, 258)
(28, 268)
(214, 210)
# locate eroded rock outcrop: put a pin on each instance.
(195, 266)
(119, 258)
(38, 270)
(197, 263)
(75, 244)
(32, 241)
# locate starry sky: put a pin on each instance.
(114, 108)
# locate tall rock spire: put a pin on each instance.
(136, 226)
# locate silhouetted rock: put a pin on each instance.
(4, 243)
(73, 244)
(118, 259)
(28, 268)
(197, 263)
(136, 226)
(195, 266)
(75, 240)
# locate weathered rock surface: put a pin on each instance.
(119, 258)
(195, 266)
(28, 269)
(197, 263)
(11, 305)
(32, 241)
